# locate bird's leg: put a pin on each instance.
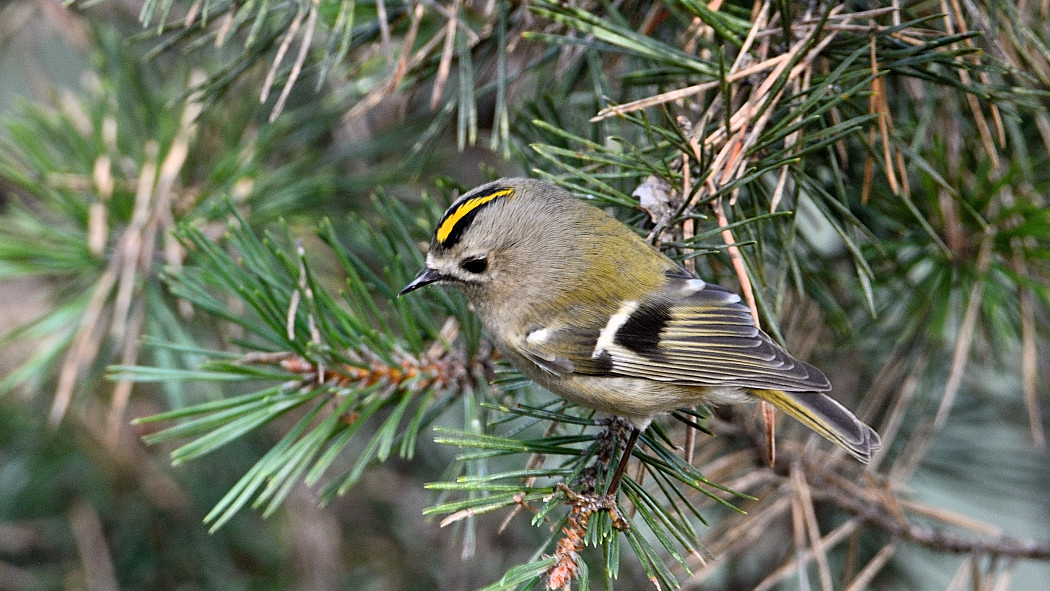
(625, 458)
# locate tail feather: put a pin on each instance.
(828, 418)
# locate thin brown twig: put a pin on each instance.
(760, 22)
(384, 32)
(831, 540)
(92, 546)
(445, 64)
(282, 49)
(1006, 576)
(947, 517)
(384, 89)
(1029, 356)
(964, 76)
(879, 105)
(931, 537)
(809, 514)
(688, 232)
(675, 95)
(965, 576)
(735, 257)
(798, 535)
(402, 67)
(895, 416)
(759, 30)
(98, 223)
(749, 296)
(191, 14)
(535, 461)
(873, 567)
(729, 541)
(966, 334)
(87, 338)
(225, 28)
(122, 390)
(300, 59)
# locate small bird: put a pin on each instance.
(585, 307)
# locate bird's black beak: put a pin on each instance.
(425, 277)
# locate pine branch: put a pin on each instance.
(884, 515)
(865, 177)
(337, 364)
(96, 188)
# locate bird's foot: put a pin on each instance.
(586, 504)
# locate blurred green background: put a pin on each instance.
(87, 506)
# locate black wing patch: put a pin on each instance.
(641, 332)
(706, 338)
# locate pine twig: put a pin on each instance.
(939, 539)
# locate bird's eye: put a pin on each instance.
(475, 265)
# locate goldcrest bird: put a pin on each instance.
(585, 307)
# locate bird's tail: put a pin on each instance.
(829, 418)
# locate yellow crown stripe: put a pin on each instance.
(468, 206)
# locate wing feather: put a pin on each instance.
(710, 339)
(705, 335)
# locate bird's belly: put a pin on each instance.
(635, 399)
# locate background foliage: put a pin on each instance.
(208, 207)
